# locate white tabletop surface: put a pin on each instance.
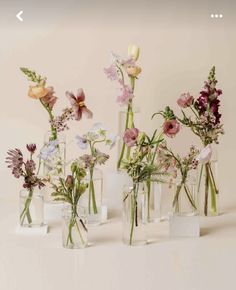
(40, 263)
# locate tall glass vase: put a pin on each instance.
(54, 168)
(207, 186)
(135, 214)
(92, 199)
(185, 198)
(128, 118)
(31, 208)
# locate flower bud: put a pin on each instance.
(133, 51)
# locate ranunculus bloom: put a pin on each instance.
(171, 127)
(132, 70)
(37, 92)
(185, 100)
(205, 155)
(133, 51)
(130, 136)
(78, 104)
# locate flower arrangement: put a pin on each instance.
(70, 191)
(97, 135)
(120, 70)
(205, 122)
(140, 167)
(25, 169)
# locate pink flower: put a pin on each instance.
(171, 127)
(185, 100)
(126, 95)
(78, 105)
(205, 155)
(130, 136)
(49, 99)
(111, 72)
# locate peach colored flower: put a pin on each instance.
(185, 100)
(171, 127)
(132, 69)
(37, 92)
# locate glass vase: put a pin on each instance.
(128, 118)
(185, 198)
(135, 214)
(74, 231)
(207, 186)
(92, 199)
(31, 208)
(54, 167)
(159, 201)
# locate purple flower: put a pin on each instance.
(126, 96)
(111, 72)
(49, 150)
(15, 162)
(130, 137)
(78, 105)
(31, 148)
(30, 166)
(82, 142)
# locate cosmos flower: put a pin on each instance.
(78, 104)
(185, 100)
(130, 136)
(171, 127)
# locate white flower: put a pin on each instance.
(82, 142)
(205, 155)
(133, 51)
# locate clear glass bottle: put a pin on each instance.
(135, 214)
(159, 201)
(185, 197)
(74, 231)
(207, 186)
(54, 168)
(31, 208)
(128, 118)
(92, 199)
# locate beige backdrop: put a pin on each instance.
(179, 44)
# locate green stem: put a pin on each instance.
(189, 197)
(92, 194)
(200, 179)
(213, 191)
(148, 182)
(81, 237)
(26, 210)
(51, 118)
(206, 191)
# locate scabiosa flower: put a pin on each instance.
(82, 142)
(185, 100)
(78, 104)
(126, 95)
(171, 127)
(31, 148)
(130, 136)
(49, 99)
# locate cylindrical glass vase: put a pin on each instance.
(135, 214)
(185, 198)
(159, 201)
(54, 165)
(128, 118)
(31, 208)
(74, 231)
(92, 199)
(207, 186)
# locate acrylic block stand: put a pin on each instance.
(34, 231)
(184, 226)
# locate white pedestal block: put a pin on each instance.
(52, 211)
(114, 185)
(184, 226)
(34, 231)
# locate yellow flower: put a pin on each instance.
(37, 92)
(133, 51)
(133, 70)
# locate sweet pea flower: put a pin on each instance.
(185, 100)
(126, 96)
(82, 142)
(111, 72)
(205, 155)
(133, 51)
(78, 104)
(130, 136)
(171, 127)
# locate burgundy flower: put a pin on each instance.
(130, 137)
(30, 166)
(15, 161)
(171, 127)
(185, 100)
(69, 181)
(49, 100)
(31, 148)
(78, 104)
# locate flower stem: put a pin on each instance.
(26, 210)
(92, 194)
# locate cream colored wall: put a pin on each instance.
(178, 47)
